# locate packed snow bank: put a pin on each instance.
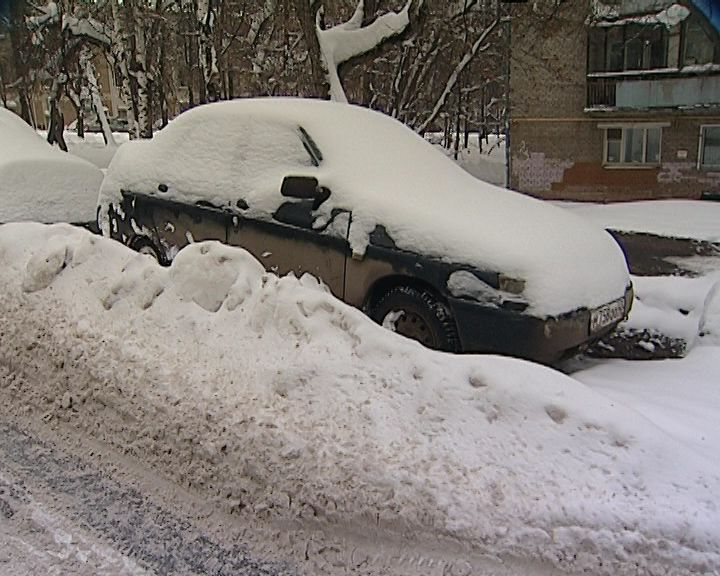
(385, 174)
(695, 219)
(39, 182)
(271, 396)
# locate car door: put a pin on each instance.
(178, 224)
(289, 243)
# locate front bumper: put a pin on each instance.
(500, 331)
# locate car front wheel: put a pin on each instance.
(418, 314)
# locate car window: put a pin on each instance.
(264, 145)
(230, 161)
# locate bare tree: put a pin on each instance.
(479, 43)
(23, 61)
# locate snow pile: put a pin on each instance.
(670, 315)
(674, 306)
(39, 182)
(273, 397)
(695, 219)
(669, 16)
(384, 174)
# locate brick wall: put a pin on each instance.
(556, 146)
(562, 159)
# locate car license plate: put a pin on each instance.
(606, 315)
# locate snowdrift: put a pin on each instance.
(42, 183)
(270, 396)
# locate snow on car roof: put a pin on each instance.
(39, 182)
(385, 174)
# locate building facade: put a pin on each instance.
(617, 101)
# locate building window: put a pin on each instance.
(632, 145)
(709, 157)
(628, 47)
(697, 47)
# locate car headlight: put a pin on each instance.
(511, 285)
(488, 288)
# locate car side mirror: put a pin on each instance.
(302, 187)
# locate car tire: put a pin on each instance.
(418, 314)
(145, 246)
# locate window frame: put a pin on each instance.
(642, 33)
(701, 150)
(693, 20)
(624, 127)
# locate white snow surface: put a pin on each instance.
(670, 17)
(681, 396)
(696, 219)
(274, 393)
(385, 174)
(677, 307)
(42, 183)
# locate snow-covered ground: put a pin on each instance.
(268, 395)
(695, 219)
(681, 396)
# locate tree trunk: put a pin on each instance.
(3, 92)
(80, 122)
(88, 69)
(19, 40)
(316, 84)
(57, 122)
(458, 116)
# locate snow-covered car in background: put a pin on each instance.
(41, 183)
(387, 222)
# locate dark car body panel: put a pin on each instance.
(543, 339)
(288, 243)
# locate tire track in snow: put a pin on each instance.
(133, 527)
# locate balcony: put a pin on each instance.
(669, 88)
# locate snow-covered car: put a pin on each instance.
(41, 183)
(388, 223)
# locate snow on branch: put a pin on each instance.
(351, 39)
(86, 28)
(78, 26)
(49, 14)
